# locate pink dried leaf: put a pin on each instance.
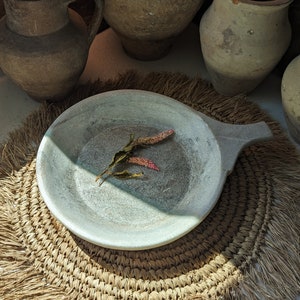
(144, 162)
(151, 140)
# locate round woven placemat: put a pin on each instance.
(247, 248)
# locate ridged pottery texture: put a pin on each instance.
(290, 91)
(242, 41)
(44, 46)
(147, 28)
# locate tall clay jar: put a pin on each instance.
(290, 92)
(44, 47)
(242, 41)
(147, 28)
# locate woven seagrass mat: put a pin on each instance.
(247, 248)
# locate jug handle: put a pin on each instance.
(96, 20)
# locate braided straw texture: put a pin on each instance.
(247, 248)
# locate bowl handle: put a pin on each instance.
(233, 138)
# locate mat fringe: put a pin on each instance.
(272, 273)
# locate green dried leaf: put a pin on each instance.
(126, 175)
(119, 157)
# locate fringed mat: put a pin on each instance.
(247, 248)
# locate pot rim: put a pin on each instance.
(265, 2)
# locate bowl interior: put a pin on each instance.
(137, 213)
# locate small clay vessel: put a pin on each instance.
(242, 41)
(290, 92)
(147, 28)
(43, 46)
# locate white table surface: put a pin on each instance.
(107, 59)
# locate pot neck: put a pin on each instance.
(36, 17)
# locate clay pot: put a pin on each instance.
(290, 92)
(147, 28)
(242, 41)
(43, 46)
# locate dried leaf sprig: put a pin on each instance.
(125, 155)
(144, 162)
(151, 140)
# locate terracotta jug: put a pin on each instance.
(43, 49)
(147, 28)
(242, 41)
(290, 92)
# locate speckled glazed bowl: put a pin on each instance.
(146, 212)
